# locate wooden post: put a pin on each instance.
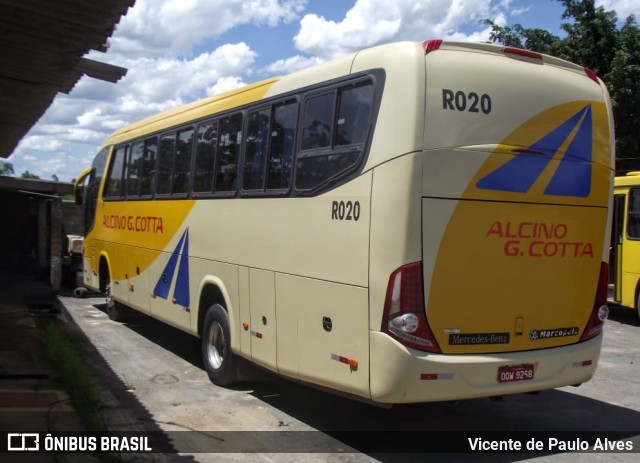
(56, 244)
(43, 235)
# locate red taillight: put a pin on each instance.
(591, 75)
(521, 52)
(600, 310)
(404, 316)
(431, 45)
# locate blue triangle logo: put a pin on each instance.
(180, 259)
(572, 176)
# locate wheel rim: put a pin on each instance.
(109, 298)
(215, 345)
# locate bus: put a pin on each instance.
(624, 287)
(414, 222)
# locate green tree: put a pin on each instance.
(624, 80)
(27, 174)
(594, 41)
(6, 168)
(592, 38)
(517, 36)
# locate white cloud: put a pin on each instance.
(176, 26)
(170, 80)
(41, 143)
(371, 22)
(180, 50)
(151, 85)
(225, 84)
(294, 63)
(623, 8)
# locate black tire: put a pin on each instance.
(638, 306)
(220, 362)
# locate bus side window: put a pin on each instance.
(354, 116)
(282, 139)
(182, 161)
(256, 148)
(318, 116)
(134, 169)
(351, 129)
(228, 151)
(148, 166)
(633, 218)
(207, 140)
(114, 184)
(165, 164)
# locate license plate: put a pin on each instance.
(510, 373)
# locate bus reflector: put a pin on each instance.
(404, 316)
(353, 363)
(584, 363)
(600, 310)
(431, 45)
(435, 376)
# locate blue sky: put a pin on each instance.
(177, 51)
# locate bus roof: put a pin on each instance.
(187, 111)
(316, 74)
(631, 179)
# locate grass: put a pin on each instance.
(66, 351)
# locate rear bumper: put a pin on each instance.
(402, 375)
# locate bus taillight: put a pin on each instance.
(591, 75)
(600, 310)
(431, 45)
(404, 314)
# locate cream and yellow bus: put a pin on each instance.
(413, 222)
(624, 288)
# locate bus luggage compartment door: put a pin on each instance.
(507, 276)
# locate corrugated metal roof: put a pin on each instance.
(42, 48)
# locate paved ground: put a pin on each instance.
(161, 367)
(153, 380)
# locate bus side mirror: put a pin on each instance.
(79, 185)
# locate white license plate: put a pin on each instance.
(511, 373)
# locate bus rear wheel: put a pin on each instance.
(220, 362)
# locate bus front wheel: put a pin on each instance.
(114, 309)
(220, 362)
(638, 305)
